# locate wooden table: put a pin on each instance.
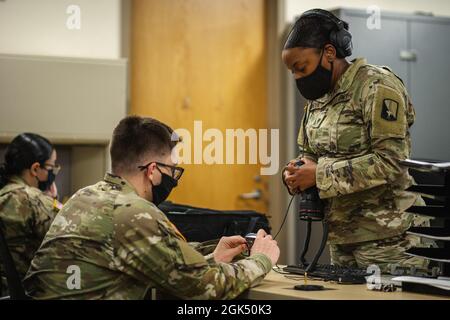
(277, 287)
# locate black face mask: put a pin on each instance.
(317, 84)
(45, 185)
(162, 191)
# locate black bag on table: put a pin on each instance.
(199, 224)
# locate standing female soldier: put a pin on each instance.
(354, 131)
(26, 208)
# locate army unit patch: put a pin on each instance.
(389, 110)
(388, 113)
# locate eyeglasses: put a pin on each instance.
(177, 172)
(54, 167)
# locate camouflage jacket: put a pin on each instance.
(109, 243)
(357, 134)
(26, 213)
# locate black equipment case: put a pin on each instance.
(199, 224)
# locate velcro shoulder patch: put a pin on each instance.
(191, 257)
(388, 113)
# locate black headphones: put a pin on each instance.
(341, 38)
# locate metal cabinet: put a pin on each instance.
(415, 47)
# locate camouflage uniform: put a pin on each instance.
(123, 246)
(383, 253)
(356, 134)
(26, 213)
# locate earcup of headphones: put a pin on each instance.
(342, 40)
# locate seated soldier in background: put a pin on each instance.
(27, 192)
(110, 241)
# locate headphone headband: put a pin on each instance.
(341, 38)
(324, 14)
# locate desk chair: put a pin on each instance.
(15, 287)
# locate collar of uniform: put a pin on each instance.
(119, 182)
(15, 182)
(18, 180)
(345, 80)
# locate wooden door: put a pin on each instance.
(203, 60)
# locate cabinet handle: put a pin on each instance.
(408, 55)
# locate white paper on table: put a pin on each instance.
(440, 282)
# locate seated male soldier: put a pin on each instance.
(110, 241)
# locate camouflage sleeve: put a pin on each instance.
(150, 250)
(206, 249)
(44, 212)
(302, 141)
(387, 114)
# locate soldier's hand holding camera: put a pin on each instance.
(228, 248)
(300, 178)
(286, 174)
(266, 245)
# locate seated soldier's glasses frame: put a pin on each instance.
(54, 167)
(177, 172)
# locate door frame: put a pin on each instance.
(280, 108)
(281, 111)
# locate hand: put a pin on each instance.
(266, 245)
(52, 191)
(286, 172)
(301, 178)
(228, 248)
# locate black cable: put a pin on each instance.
(281, 227)
(306, 243)
(285, 216)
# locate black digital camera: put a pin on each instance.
(311, 208)
(310, 204)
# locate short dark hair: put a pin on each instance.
(311, 32)
(136, 138)
(24, 150)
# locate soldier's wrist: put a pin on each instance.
(263, 260)
(210, 258)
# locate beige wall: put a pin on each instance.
(70, 100)
(33, 27)
(36, 31)
(437, 7)
(39, 27)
